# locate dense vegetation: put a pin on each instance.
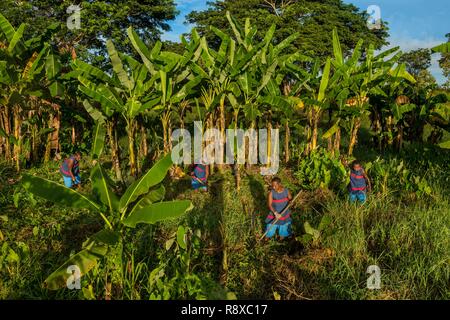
(354, 103)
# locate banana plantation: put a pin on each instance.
(135, 229)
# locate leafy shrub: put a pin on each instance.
(321, 170)
(393, 175)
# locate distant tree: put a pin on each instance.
(314, 20)
(444, 63)
(417, 61)
(100, 20)
(425, 79)
(176, 47)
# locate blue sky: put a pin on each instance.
(413, 23)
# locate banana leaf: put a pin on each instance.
(158, 212)
(57, 193)
(153, 176)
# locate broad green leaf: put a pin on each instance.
(98, 139)
(442, 48)
(36, 66)
(105, 236)
(445, 145)
(181, 237)
(332, 130)
(235, 27)
(101, 185)
(104, 97)
(52, 66)
(152, 197)
(324, 223)
(186, 89)
(152, 177)
(95, 114)
(6, 28)
(324, 81)
(16, 38)
(85, 260)
(285, 43)
(163, 77)
(93, 72)
(311, 231)
(56, 89)
(118, 66)
(141, 49)
(158, 212)
(57, 193)
(337, 48)
(267, 40)
(267, 76)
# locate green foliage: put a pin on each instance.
(289, 16)
(115, 216)
(99, 20)
(313, 237)
(321, 170)
(394, 176)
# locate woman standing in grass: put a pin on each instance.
(278, 200)
(359, 183)
(199, 176)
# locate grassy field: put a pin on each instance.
(404, 232)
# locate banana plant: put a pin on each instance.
(257, 67)
(429, 109)
(177, 75)
(360, 77)
(313, 237)
(140, 203)
(28, 69)
(128, 92)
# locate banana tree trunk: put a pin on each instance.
(315, 118)
(222, 130)
(399, 138)
(165, 124)
(131, 126)
(287, 136)
(389, 123)
(74, 135)
(247, 147)
(48, 144)
(210, 125)
(7, 128)
(337, 141)
(112, 134)
(17, 136)
(308, 132)
(269, 142)
(237, 173)
(330, 145)
(144, 143)
(354, 134)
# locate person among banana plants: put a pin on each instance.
(359, 183)
(279, 219)
(70, 170)
(199, 177)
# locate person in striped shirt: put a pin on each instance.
(278, 220)
(359, 183)
(70, 171)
